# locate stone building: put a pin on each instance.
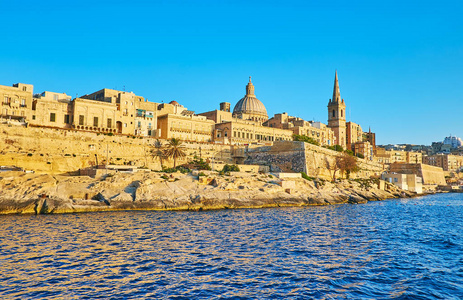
(363, 148)
(249, 107)
(381, 155)
(316, 130)
(447, 162)
(337, 114)
(16, 102)
(185, 126)
(51, 110)
(354, 134)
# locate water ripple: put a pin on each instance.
(398, 249)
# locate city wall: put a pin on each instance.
(56, 151)
(429, 174)
(304, 157)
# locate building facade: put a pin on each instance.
(337, 114)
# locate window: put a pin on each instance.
(6, 100)
(22, 114)
(81, 120)
(52, 117)
(55, 97)
(33, 117)
(24, 88)
(334, 113)
(95, 121)
(109, 123)
(125, 124)
(23, 102)
(139, 124)
(66, 119)
(341, 113)
(396, 180)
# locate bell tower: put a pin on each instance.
(337, 114)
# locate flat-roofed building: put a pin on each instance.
(16, 102)
(52, 110)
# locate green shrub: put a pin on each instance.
(336, 148)
(230, 168)
(350, 152)
(305, 139)
(182, 170)
(201, 174)
(199, 164)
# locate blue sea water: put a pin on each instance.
(394, 249)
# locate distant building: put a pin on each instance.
(447, 162)
(453, 141)
(407, 182)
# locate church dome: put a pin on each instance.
(249, 104)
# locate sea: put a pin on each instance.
(392, 249)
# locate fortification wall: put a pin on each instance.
(430, 174)
(303, 157)
(53, 151)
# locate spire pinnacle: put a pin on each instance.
(336, 91)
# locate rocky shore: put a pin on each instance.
(45, 194)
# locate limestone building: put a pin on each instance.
(316, 130)
(337, 114)
(447, 162)
(381, 155)
(52, 110)
(16, 102)
(354, 134)
(245, 125)
(363, 148)
(249, 107)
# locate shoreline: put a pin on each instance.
(47, 194)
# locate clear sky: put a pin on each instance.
(399, 62)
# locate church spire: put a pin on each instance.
(249, 88)
(336, 92)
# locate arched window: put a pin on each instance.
(334, 113)
(341, 113)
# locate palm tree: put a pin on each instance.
(158, 152)
(175, 150)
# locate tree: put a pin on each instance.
(332, 166)
(344, 163)
(347, 164)
(158, 152)
(175, 150)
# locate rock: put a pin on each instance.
(19, 194)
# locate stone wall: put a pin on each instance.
(308, 158)
(47, 150)
(281, 157)
(430, 174)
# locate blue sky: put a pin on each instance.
(399, 62)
